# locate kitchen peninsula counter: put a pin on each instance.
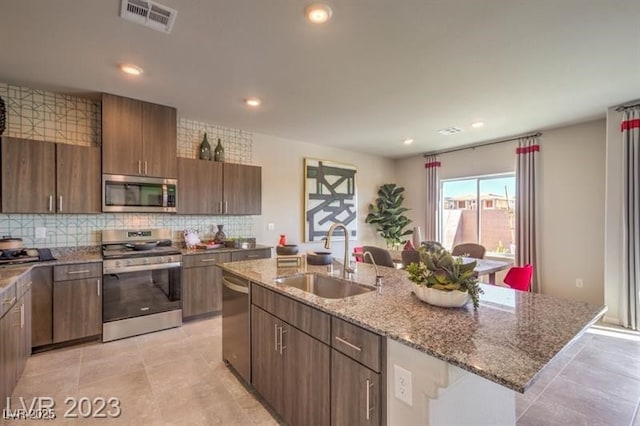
(508, 340)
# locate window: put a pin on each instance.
(479, 210)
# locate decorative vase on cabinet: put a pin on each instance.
(218, 154)
(220, 236)
(205, 149)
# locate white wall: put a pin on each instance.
(283, 188)
(571, 201)
(572, 188)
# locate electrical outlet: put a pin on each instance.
(271, 226)
(579, 283)
(402, 385)
(41, 232)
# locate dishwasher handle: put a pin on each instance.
(239, 287)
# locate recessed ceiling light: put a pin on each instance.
(407, 141)
(253, 102)
(318, 13)
(477, 124)
(131, 69)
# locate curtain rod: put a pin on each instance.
(446, 151)
(623, 107)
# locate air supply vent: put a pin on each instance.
(148, 13)
(450, 131)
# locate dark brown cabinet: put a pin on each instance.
(77, 301)
(202, 283)
(289, 367)
(200, 189)
(15, 334)
(42, 306)
(138, 138)
(355, 392)
(230, 188)
(46, 177)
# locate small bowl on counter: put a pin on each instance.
(287, 250)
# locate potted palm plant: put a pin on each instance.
(387, 215)
(443, 280)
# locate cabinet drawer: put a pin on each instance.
(251, 254)
(77, 272)
(301, 316)
(7, 298)
(204, 259)
(358, 343)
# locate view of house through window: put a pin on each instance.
(479, 210)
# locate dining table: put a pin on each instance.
(484, 267)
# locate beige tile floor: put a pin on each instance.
(172, 377)
(176, 377)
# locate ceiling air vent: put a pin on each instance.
(450, 131)
(148, 13)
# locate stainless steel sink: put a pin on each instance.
(324, 286)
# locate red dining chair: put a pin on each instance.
(519, 277)
(358, 251)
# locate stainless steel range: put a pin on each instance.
(141, 282)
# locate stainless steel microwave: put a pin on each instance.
(138, 194)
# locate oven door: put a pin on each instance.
(140, 293)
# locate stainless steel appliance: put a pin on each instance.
(141, 283)
(236, 325)
(138, 194)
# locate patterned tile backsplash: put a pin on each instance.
(49, 116)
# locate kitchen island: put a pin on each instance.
(464, 363)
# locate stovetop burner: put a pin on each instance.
(136, 243)
(115, 251)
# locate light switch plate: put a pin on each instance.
(271, 226)
(402, 385)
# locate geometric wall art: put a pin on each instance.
(330, 197)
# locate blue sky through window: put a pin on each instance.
(456, 188)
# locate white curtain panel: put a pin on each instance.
(432, 166)
(631, 219)
(526, 199)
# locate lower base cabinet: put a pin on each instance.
(290, 370)
(202, 283)
(355, 392)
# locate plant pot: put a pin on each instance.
(444, 299)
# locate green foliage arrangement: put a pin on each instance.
(387, 214)
(441, 271)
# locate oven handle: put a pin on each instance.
(125, 269)
(235, 287)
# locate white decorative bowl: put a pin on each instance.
(444, 299)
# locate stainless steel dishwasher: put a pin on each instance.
(236, 324)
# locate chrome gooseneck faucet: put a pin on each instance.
(378, 276)
(327, 244)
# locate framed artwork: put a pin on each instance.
(330, 197)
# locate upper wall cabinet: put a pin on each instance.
(208, 187)
(46, 177)
(138, 138)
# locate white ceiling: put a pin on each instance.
(379, 72)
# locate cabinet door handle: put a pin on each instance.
(27, 285)
(145, 168)
(253, 256)
(226, 206)
(369, 407)
(139, 167)
(208, 260)
(9, 301)
(275, 337)
(84, 271)
(50, 203)
(282, 331)
(60, 203)
(22, 316)
(98, 286)
(219, 206)
(351, 345)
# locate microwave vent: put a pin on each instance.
(149, 13)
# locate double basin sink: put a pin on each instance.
(324, 286)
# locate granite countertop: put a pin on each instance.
(508, 340)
